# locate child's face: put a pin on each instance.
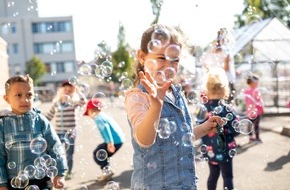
(254, 84)
(169, 68)
(93, 112)
(68, 90)
(20, 97)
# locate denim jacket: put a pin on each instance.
(167, 164)
(16, 133)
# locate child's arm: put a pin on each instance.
(227, 63)
(259, 101)
(207, 127)
(111, 147)
(49, 115)
(145, 132)
(106, 134)
(54, 147)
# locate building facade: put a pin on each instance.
(4, 70)
(51, 39)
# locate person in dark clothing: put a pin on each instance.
(219, 147)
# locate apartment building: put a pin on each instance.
(4, 70)
(51, 39)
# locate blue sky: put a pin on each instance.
(98, 20)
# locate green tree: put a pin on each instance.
(121, 58)
(35, 67)
(277, 8)
(103, 51)
(263, 9)
(156, 9)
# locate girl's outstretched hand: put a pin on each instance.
(155, 91)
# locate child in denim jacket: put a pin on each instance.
(161, 127)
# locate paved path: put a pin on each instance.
(264, 166)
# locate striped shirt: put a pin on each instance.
(65, 117)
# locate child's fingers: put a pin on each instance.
(166, 85)
(217, 120)
(149, 77)
(151, 89)
(141, 75)
(147, 81)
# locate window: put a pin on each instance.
(13, 28)
(60, 67)
(67, 47)
(15, 48)
(68, 66)
(8, 27)
(53, 67)
(48, 67)
(64, 26)
(53, 47)
(50, 27)
(4, 29)
(17, 68)
(47, 48)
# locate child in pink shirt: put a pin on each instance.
(254, 105)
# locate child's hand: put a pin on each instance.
(211, 124)
(3, 188)
(58, 182)
(111, 147)
(155, 91)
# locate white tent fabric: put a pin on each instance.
(270, 39)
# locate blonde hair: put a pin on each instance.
(217, 83)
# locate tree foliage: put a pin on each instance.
(262, 9)
(156, 9)
(121, 58)
(35, 67)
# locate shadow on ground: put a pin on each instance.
(278, 163)
(243, 148)
(123, 180)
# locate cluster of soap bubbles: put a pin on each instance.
(240, 125)
(44, 165)
(165, 128)
(102, 70)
